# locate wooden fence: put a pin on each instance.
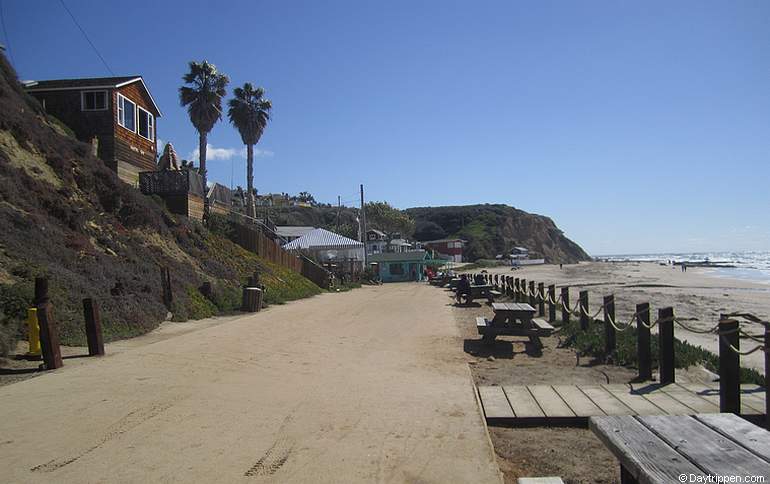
(728, 330)
(254, 240)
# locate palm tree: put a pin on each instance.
(249, 112)
(202, 94)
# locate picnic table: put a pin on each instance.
(663, 448)
(513, 319)
(480, 291)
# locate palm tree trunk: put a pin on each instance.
(202, 143)
(250, 180)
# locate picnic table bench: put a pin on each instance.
(513, 319)
(662, 448)
(480, 291)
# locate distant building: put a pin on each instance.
(450, 248)
(399, 245)
(401, 266)
(376, 241)
(292, 232)
(519, 253)
(220, 199)
(116, 115)
(334, 251)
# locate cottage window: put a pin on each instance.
(397, 269)
(145, 123)
(126, 113)
(94, 101)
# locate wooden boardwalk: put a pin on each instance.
(520, 405)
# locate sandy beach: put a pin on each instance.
(697, 293)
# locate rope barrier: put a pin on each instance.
(742, 353)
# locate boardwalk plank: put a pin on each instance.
(712, 395)
(578, 401)
(643, 454)
(690, 399)
(710, 450)
(605, 401)
(550, 401)
(522, 402)
(494, 402)
(637, 403)
(750, 436)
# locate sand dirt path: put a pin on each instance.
(370, 385)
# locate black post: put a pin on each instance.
(609, 329)
(532, 298)
(523, 298)
(583, 310)
(541, 300)
(767, 381)
(729, 366)
(643, 341)
(49, 336)
(565, 305)
(93, 328)
(552, 303)
(41, 290)
(666, 345)
(516, 291)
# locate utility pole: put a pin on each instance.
(339, 207)
(363, 223)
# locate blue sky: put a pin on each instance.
(636, 126)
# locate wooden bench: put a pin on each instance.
(662, 448)
(489, 331)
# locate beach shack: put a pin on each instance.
(401, 266)
(335, 251)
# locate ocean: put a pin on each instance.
(751, 265)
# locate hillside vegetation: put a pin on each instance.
(489, 229)
(496, 229)
(66, 216)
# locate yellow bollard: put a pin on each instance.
(34, 332)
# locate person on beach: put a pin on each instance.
(463, 288)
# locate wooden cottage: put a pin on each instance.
(117, 115)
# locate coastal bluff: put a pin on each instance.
(494, 229)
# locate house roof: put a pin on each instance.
(323, 239)
(292, 230)
(220, 193)
(411, 256)
(439, 241)
(378, 232)
(88, 83)
(400, 242)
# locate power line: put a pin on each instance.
(86, 36)
(5, 33)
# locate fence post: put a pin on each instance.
(541, 300)
(767, 381)
(583, 309)
(523, 297)
(93, 328)
(49, 332)
(516, 290)
(666, 346)
(729, 366)
(532, 298)
(565, 305)
(609, 329)
(552, 302)
(643, 351)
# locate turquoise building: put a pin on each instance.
(401, 266)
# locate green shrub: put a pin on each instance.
(15, 299)
(591, 343)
